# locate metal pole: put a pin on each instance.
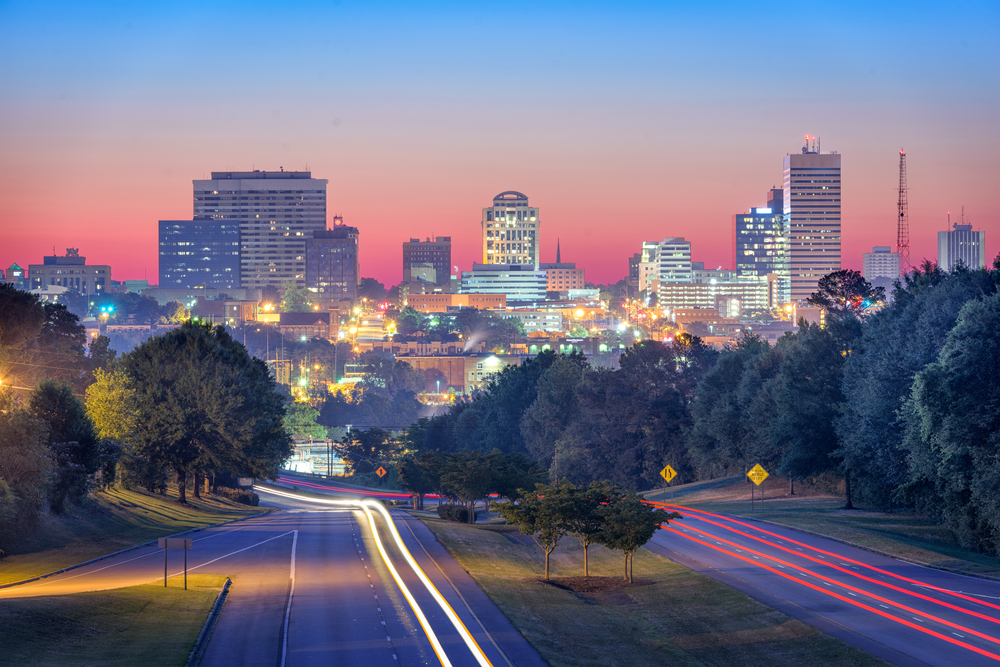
(164, 564)
(185, 565)
(751, 498)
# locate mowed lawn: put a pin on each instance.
(675, 617)
(110, 521)
(146, 625)
(815, 509)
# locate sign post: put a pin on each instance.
(184, 543)
(380, 472)
(757, 475)
(668, 474)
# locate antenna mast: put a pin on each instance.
(903, 226)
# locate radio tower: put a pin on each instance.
(903, 226)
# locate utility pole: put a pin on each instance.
(903, 220)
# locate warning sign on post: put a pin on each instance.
(757, 474)
(668, 473)
(381, 471)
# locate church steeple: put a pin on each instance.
(558, 260)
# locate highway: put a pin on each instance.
(903, 613)
(311, 586)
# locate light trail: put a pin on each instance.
(694, 512)
(366, 505)
(915, 626)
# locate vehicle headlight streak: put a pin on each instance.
(367, 506)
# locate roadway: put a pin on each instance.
(311, 587)
(903, 613)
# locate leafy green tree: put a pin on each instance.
(846, 292)
(513, 472)
(541, 514)
(364, 449)
(628, 524)
(410, 321)
(469, 477)
(554, 410)
(174, 312)
(25, 465)
(584, 519)
(412, 477)
(74, 445)
(371, 289)
(205, 404)
(954, 436)
(111, 407)
(100, 352)
(300, 420)
(295, 300)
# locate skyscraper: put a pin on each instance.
(199, 252)
(674, 257)
(881, 262)
(761, 244)
(332, 268)
(961, 245)
(812, 213)
(510, 230)
(436, 252)
(276, 212)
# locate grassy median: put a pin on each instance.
(816, 509)
(671, 615)
(110, 521)
(146, 625)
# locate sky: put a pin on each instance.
(622, 122)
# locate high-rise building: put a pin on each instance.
(435, 252)
(811, 206)
(881, 262)
(961, 245)
(199, 253)
(761, 244)
(72, 272)
(510, 231)
(332, 267)
(276, 212)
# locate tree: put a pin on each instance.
(295, 300)
(584, 519)
(629, 523)
(410, 321)
(111, 406)
(74, 445)
(363, 449)
(555, 408)
(205, 404)
(846, 291)
(412, 477)
(541, 514)
(470, 477)
(371, 289)
(300, 419)
(100, 352)
(954, 429)
(25, 464)
(174, 312)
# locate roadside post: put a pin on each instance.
(184, 543)
(757, 475)
(668, 474)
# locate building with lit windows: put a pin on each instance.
(277, 211)
(523, 284)
(510, 230)
(961, 245)
(561, 277)
(332, 266)
(881, 262)
(72, 272)
(811, 206)
(434, 254)
(761, 245)
(15, 275)
(200, 252)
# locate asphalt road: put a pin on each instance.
(311, 588)
(903, 613)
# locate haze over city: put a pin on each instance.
(643, 120)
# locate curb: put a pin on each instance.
(194, 658)
(912, 561)
(126, 550)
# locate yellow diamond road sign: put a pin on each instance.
(668, 473)
(757, 474)
(381, 472)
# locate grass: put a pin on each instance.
(817, 509)
(140, 625)
(674, 616)
(110, 521)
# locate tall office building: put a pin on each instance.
(70, 271)
(811, 199)
(332, 267)
(521, 283)
(761, 245)
(277, 211)
(961, 245)
(674, 259)
(510, 231)
(201, 252)
(881, 262)
(436, 252)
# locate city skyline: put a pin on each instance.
(654, 137)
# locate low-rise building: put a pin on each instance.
(539, 320)
(522, 284)
(440, 303)
(564, 276)
(71, 271)
(308, 325)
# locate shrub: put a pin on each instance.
(242, 496)
(454, 513)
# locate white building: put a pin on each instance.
(521, 283)
(510, 230)
(812, 209)
(961, 246)
(539, 320)
(276, 210)
(881, 262)
(674, 259)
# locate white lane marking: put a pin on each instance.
(291, 592)
(958, 635)
(233, 553)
